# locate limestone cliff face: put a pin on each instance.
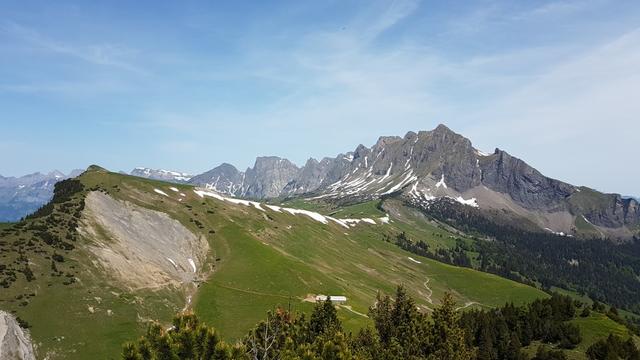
(527, 186)
(15, 343)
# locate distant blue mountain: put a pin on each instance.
(21, 196)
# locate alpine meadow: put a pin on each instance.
(365, 222)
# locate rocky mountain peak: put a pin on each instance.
(227, 167)
(410, 135)
(386, 140)
(427, 165)
(267, 162)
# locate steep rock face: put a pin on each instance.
(225, 179)
(607, 210)
(268, 177)
(442, 152)
(15, 343)
(428, 165)
(311, 176)
(527, 186)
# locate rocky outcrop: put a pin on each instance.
(268, 177)
(606, 210)
(15, 342)
(225, 179)
(527, 186)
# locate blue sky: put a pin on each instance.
(186, 85)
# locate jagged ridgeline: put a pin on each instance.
(111, 252)
(430, 165)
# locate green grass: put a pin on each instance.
(587, 300)
(311, 205)
(366, 209)
(5, 225)
(585, 228)
(593, 328)
(280, 262)
(259, 260)
(587, 199)
(576, 296)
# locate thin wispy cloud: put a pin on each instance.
(536, 79)
(110, 55)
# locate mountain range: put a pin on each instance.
(431, 165)
(111, 253)
(20, 196)
(423, 167)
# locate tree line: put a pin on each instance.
(399, 331)
(601, 269)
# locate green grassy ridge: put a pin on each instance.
(329, 259)
(364, 209)
(296, 246)
(594, 327)
(89, 318)
(597, 326)
(258, 260)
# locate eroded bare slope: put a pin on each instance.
(140, 247)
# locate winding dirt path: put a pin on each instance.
(347, 307)
(467, 304)
(428, 297)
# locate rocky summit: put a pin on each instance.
(430, 165)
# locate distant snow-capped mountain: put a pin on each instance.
(160, 174)
(20, 196)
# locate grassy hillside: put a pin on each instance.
(258, 259)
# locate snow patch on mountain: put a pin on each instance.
(311, 214)
(161, 174)
(470, 202)
(161, 192)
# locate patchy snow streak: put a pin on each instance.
(407, 179)
(203, 193)
(274, 208)
(314, 215)
(414, 260)
(161, 192)
(559, 233)
(441, 182)
(311, 214)
(193, 264)
(470, 202)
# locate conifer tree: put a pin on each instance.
(447, 337)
